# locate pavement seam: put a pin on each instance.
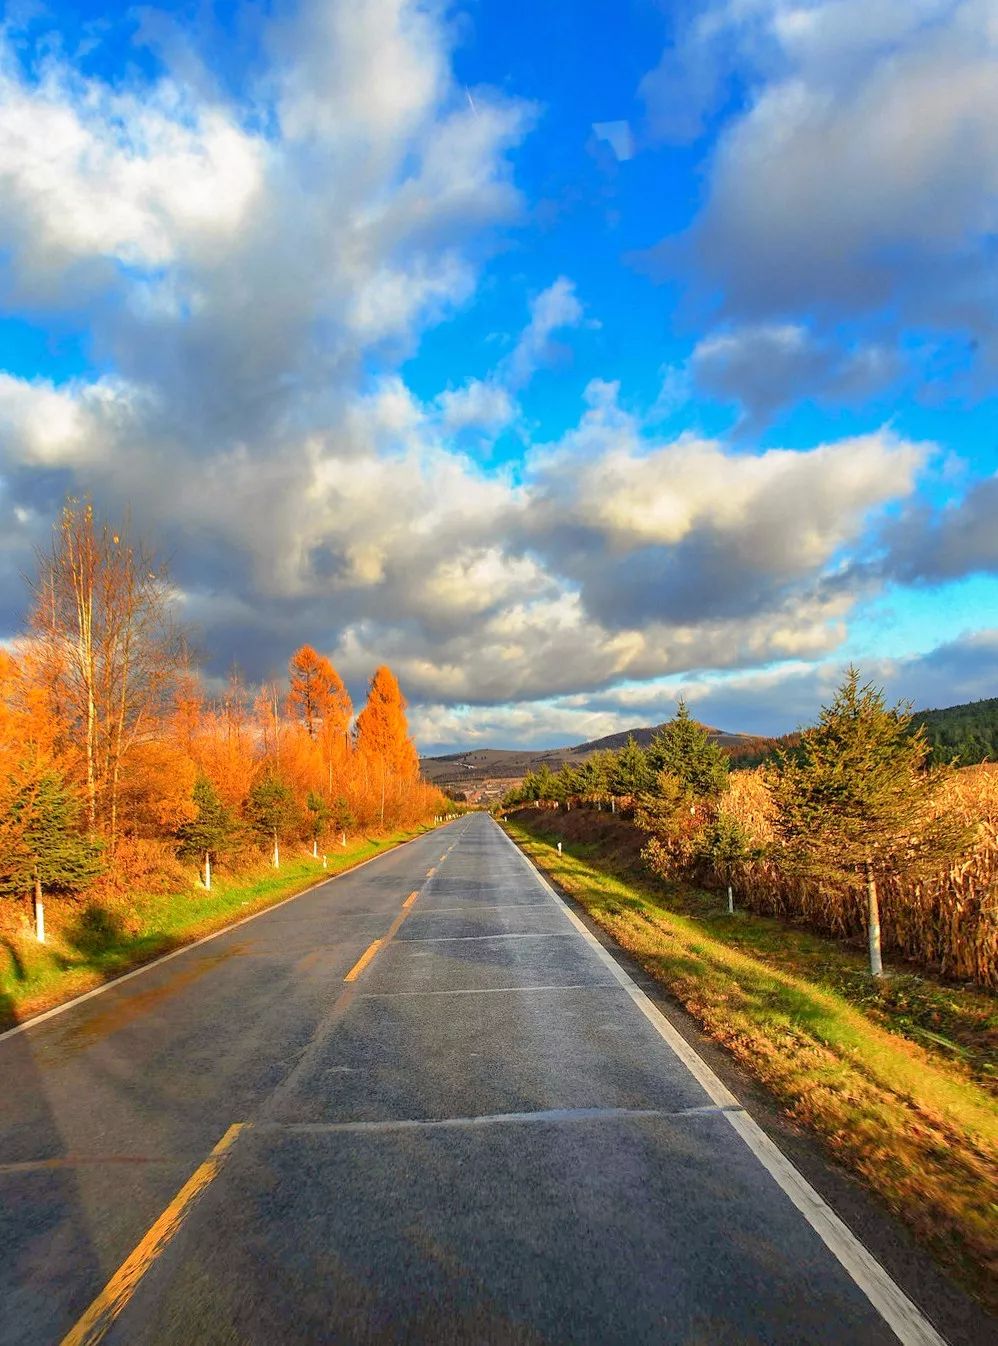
(540, 1115)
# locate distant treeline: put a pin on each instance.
(965, 734)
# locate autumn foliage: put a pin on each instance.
(112, 748)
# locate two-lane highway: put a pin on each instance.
(419, 1103)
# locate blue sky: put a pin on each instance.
(566, 357)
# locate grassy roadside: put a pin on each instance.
(75, 959)
(914, 1120)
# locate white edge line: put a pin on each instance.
(904, 1318)
(205, 939)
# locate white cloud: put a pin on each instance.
(555, 308)
(766, 366)
(480, 404)
(859, 172)
(87, 173)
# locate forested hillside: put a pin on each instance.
(968, 733)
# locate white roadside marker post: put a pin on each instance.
(559, 848)
(323, 862)
(39, 913)
(343, 839)
(731, 902)
(207, 871)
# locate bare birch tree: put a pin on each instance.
(101, 623)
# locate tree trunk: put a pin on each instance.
(39, 912)
(873, 923)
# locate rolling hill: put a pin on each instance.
(967, 733)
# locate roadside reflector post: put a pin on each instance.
(559, 848)
(207, 871)
(343, 838)
(731, 901)
(39, 913)
(323, 862)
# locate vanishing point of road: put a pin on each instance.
(419, 1103)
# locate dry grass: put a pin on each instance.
(914, 1124)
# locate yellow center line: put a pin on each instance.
(113, 1298)
(411, 898)
(430, 873)
(363, 961)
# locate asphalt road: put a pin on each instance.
(483, 1135)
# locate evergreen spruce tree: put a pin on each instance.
(43, 845)
(683, 749)
(272, 811)
(207, 834)
(343, 818)
(319, 814)
(632, 774)
(567, 784)
(855, 802)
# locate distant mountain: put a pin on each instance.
(494, 764)
(645, 733)
(967, 733)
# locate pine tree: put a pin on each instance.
(631, 774)
(272, 811)
(683, 749)
(567, 783)
(41, 843)
(319, 814)
(209, 830)
(855, 802)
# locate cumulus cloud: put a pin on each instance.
(480, 404)
(554, 308)
(763, 702)
(927, 546)
(766, 366)
(689, 527)
(859, 172)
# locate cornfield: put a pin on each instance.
(949, 922)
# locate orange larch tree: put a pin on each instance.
(383, 743)
(320, 703)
